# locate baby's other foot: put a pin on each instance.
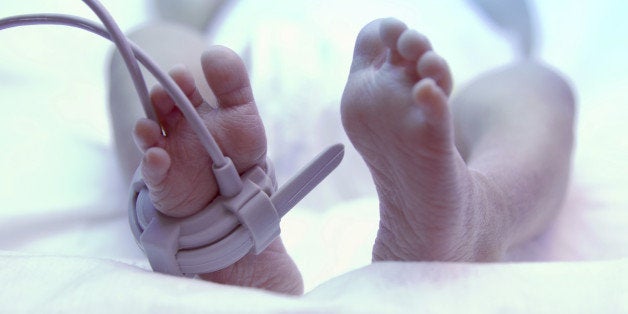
(395, 112)
(177, 169)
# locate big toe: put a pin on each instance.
(227, 76)
(390, 29)
(240, 130)
(369, 49)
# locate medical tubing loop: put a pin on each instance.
(124, 47)
(126, 52)
(220, 161)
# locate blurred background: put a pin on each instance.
(61, 192)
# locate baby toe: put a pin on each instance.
(433, 66)
(162, 102)
(185, 80)
(240, 132)
(165, 106)
(155, 166)
(147, 134)
(227, 76)
(368, 50)
(390, 30)
(432, 99)
(412, 45)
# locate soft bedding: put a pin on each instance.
(76, 284)
(64, 240)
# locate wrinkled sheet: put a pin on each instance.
(92, 284)
(64, 240)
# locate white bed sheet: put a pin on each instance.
(63, 231)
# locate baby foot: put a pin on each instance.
(395, 112)
(177, 169)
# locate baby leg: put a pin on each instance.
(515, 130)
(436, 202)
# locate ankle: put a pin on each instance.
(488, 219)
